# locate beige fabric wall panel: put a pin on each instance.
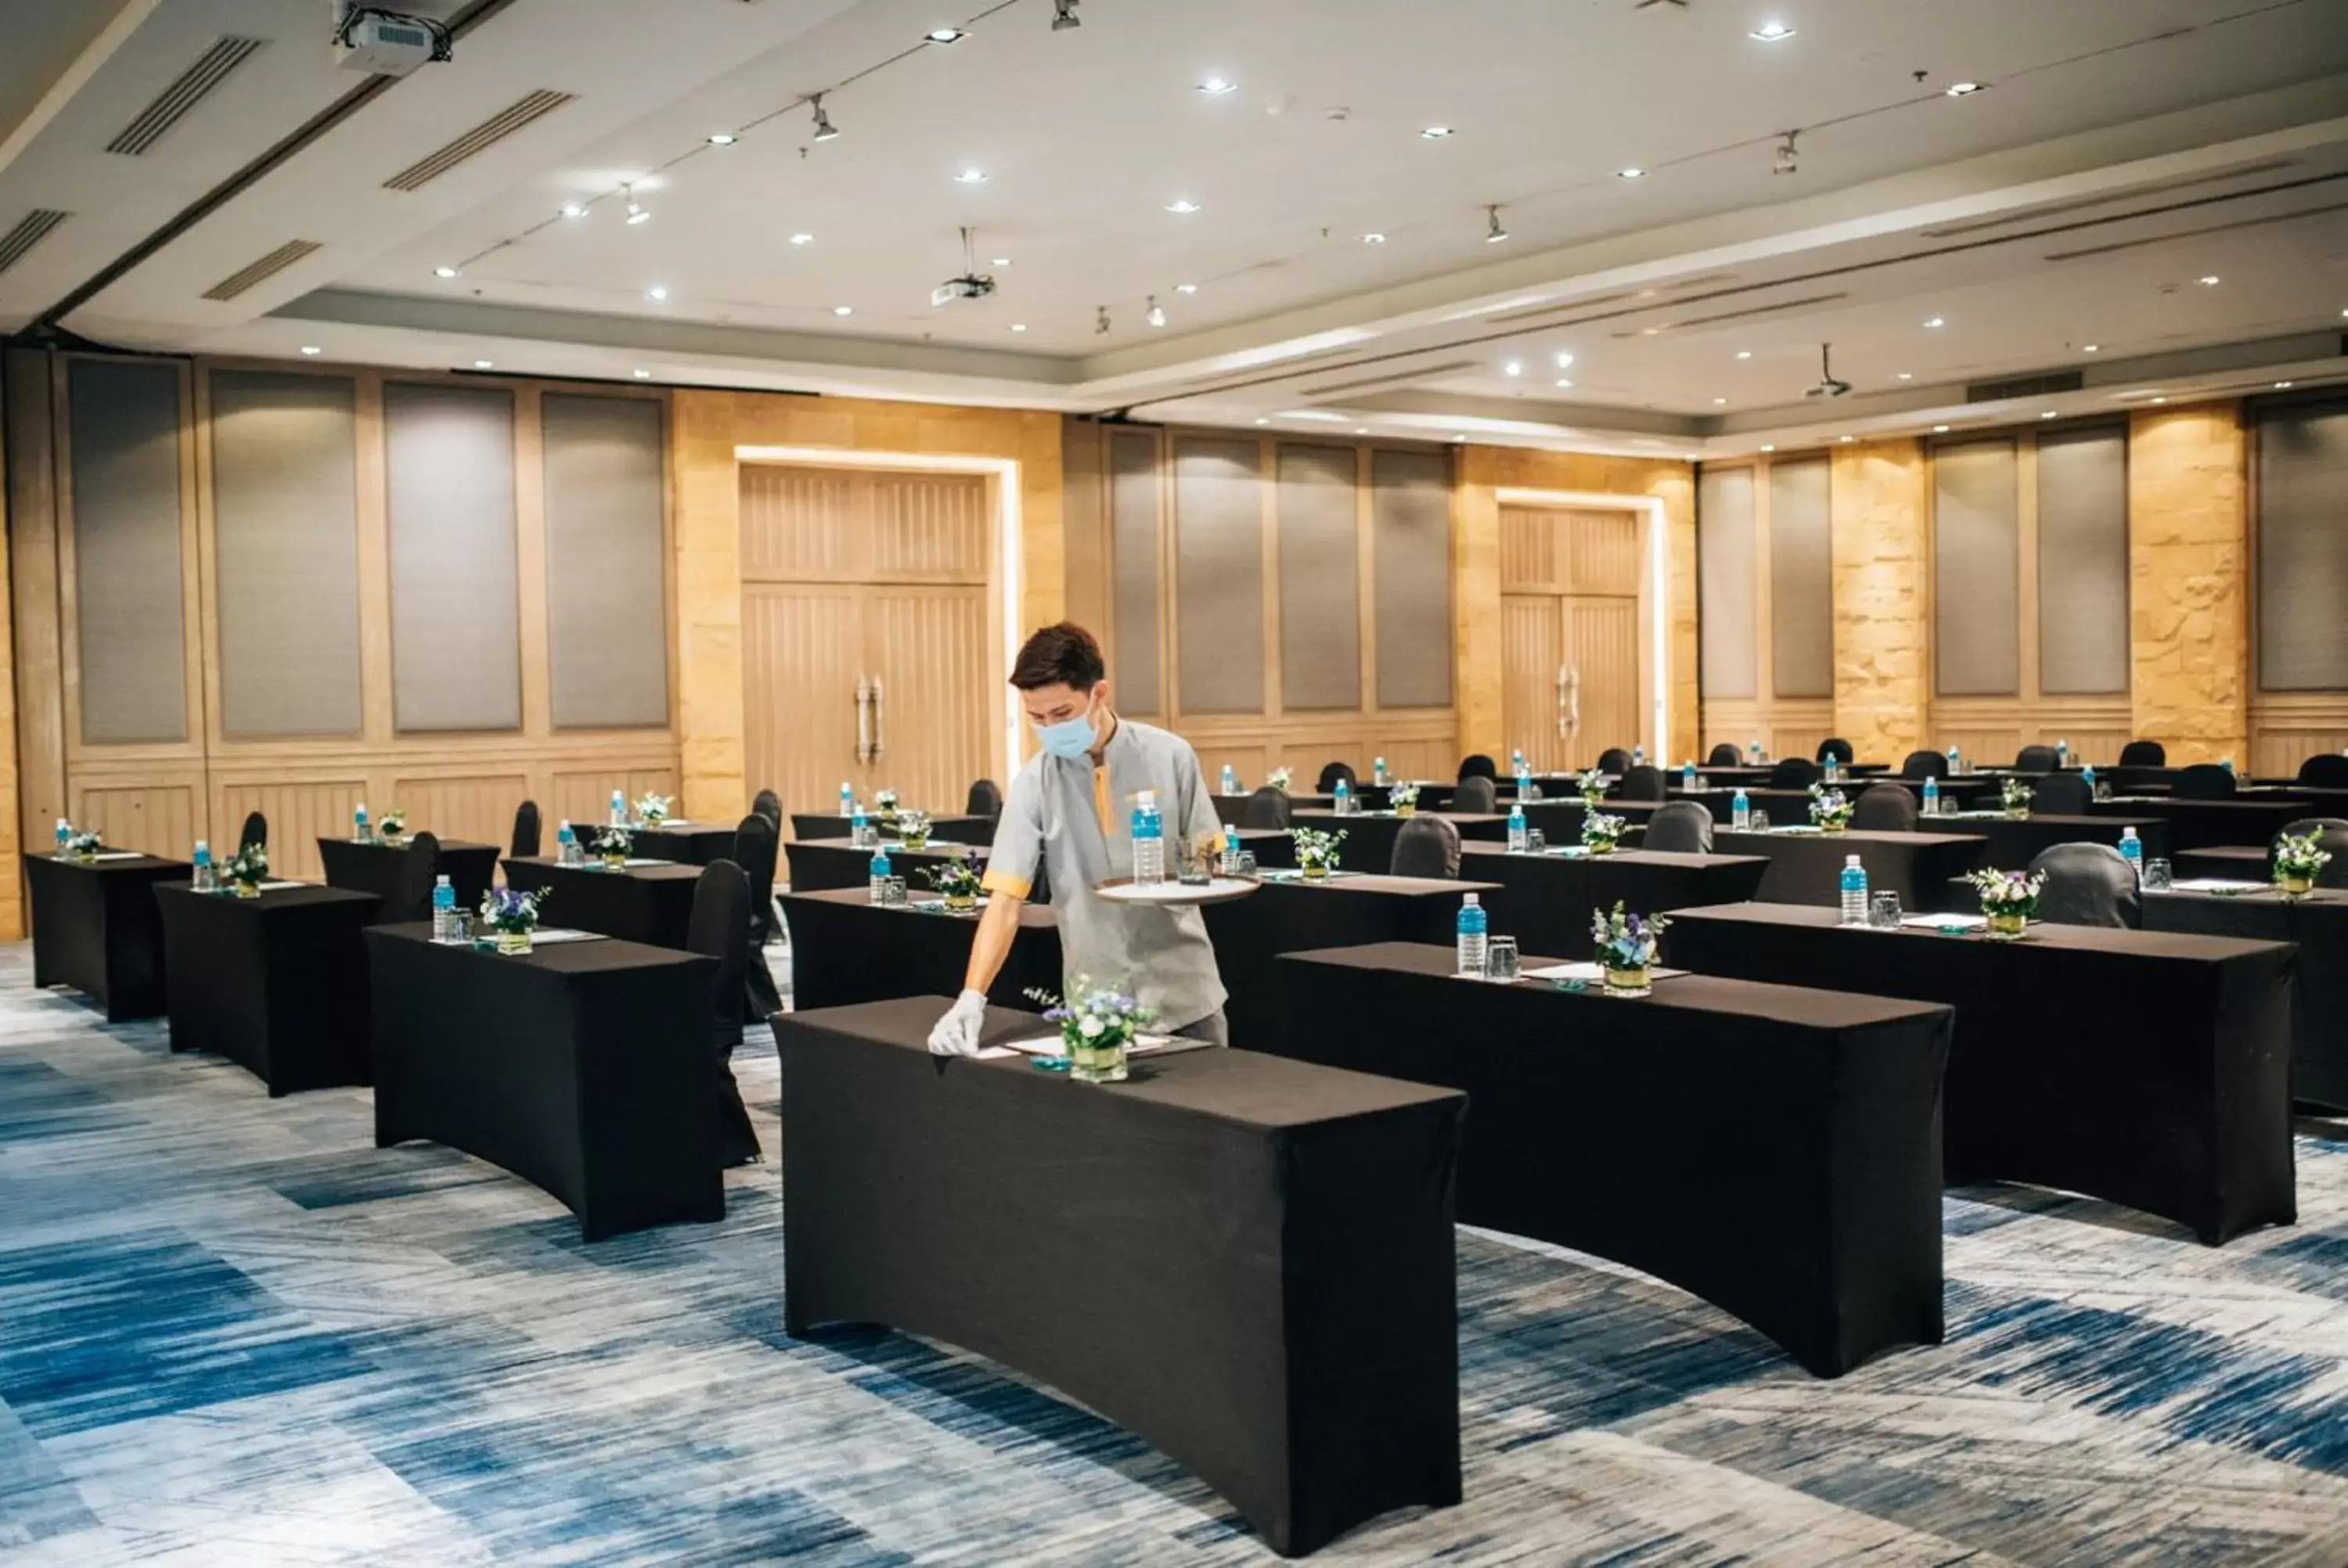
(124, 420)
(1801, 576)
(286, 531)
(1219, 575)
(1410, 528)
(1725, 585)
(606, 584)
(1976, 567)
(1320, 580)
(2083, 561)
(2302, 536)
(1135, 500)
(456, 608)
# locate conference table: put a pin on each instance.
(2203, 824)
(1545, 900)
(687, 843)
(1233, 808)
(2226, 862)
(1805, 865)
(814, 865)
(2146, 1067)
(1773, 1150)
(96, 927)
(2318, 923)
(2011, 843)
(1246, 1261)
(844, 949)
(275, 983)
(1789, 805)
(584, 1067)
(646, 900)
(961, 827)
(1370, 834)
(380, 868)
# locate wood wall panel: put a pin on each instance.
(1601, 550)
(584, 794)
(299, 816)
(926, 644)
(1530, 557)
(475, 806)
(930, 526)
(801, 523)
(802, 731)
(1532, 652)
(160, 818)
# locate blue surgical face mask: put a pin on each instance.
(1070, 738)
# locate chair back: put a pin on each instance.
(1426, 847)
(1615, 760)
(1641, 781)
(1683, 827)
(2325, 770)
(2144, 754)
(753, 852)
(2087, 884)
(2203, 781)
(2332, 834)
(2062, 795)
(985, 799)
(1885, 808)
(1924, 766)
(2036, 759)
(768, 804)
(526, 829)
(1332, 772)
(1476, 793)
(1723, 755)
(719, 928)
(1793, 772)
(2135, 778)
(1837, 748)
(418, 874)
(256, 830)
(1266, 807)
(1476, 765)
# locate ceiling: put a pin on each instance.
(2119, 152)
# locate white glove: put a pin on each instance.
(956, 1034)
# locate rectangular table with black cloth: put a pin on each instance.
(2204, 824)
(1245, 1261)
(1370, 837)
(1231, 807)
(2141, 1067)
(1544, 901)
(381, 869)
(688, 844)
(830, 825)
(815, 864)
(1432, 797)
(1775, 1151)
(647, 903)
(1758, 777)
(2013, 842)
(2318, 923)
(845, 949)
(2226, 862)
(1793, 805)
(585, 1068)
(277, 984)
(1806, 867)
(95, 927)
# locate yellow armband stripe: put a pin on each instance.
(1003, 882)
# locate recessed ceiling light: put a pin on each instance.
(2279, 386)
(1565, 362)
(1934, 324)
(1904, 375)
(1963, 89)
(1720, 403)
(1847, 438)
(575, 210)
(1000, 261)
(1263, 422)
(843, 310)
(802, 239)
(1156, 315)
(1183, 205)
(2092, 348)
(721, 138)
(2160, 400)
(1562, 382)
(1630, 174)
(946, 34)
(1458, 437)
(2050, 413)
(644, 375)
(1768, 446)
(970, 177)
(1771, 32)
(444, 271)
(1186, 288)
(1216, 87)
(485, 364)
(1939, 430)
(1436, 132)
(657, 292)
(311, 350)
(2208, 281)
(1374, 238)
(1514, 367)
(638, 214)
(1745, 353)
(1019, 326)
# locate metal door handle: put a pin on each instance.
(1573, 700)
(863, 721)
(1560, 703)
(880, 719)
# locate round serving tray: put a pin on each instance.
(1176, 894)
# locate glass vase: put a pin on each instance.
(512, 941)
(917, 841)
(248, 889)
(1635, 982)
(2007, 926)
(2294, 886)
(1316, 871)
(1091, 1063)
(1405, 808)
(961, 902)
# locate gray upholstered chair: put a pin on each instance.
(1683, 827)
(2087, 884)
(2204, 781)
(256, 831)
(526, 830)
(1332, 772)
(2325, 770)
(1474, 793)
(1615, 760)
(2062, 795)
(1426, 847)
(2144, 754)
(1476, 765)
(1924, 766)
(1266, 808)
(1723, 755)
(2036, 759)
(1837, 748)
(1885, 808)
(1643, 782)
(1793, 772)
(719, 928)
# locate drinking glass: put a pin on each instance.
(1500, 960)
(1536, 840)
(2156, 874)
(895, 898)
(1245, 865)
(1759, 820)
(1885, 915)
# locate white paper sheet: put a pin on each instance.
(110, 854)
(562, 934)
(1946, 922)
(2210, 884)
(1592, 973)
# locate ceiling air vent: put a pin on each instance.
(195, 83)
(269, 266)
(29, 232)
(2025, 386)
(480, 140)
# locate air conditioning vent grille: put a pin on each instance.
(2045, 385)
(529, 107)
(268, 266)
(194, 84)
(29, 232)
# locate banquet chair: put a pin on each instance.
(2062, 795)
(1885, 808)
(985, 799)
(2330, 833)
(1837, 748)
(770, 804)
(2325, 770)
(1266, 807)
(526, 830)
(1793, 772)
(753, 852)
(2087, 884)
(1615, 760)
(1683, 827)
(1924, 766)
(1643, 782)
(719, 928)
(1426, 847)
(418, 872)
(2203, 781)
(2144, 754)
(1476, 765)
(1333, 773)
(1476, 794)
(1723, 755)
(2036, 759)
(256, 830)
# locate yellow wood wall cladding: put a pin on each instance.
(1876, 505)
(2188, 553)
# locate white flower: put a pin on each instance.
(1091, 1026)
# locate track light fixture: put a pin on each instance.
(1157, 316)
(637, 212)
(1493, 232)
(824, 129)
(1101, 320)
(1787, 152)
(1064, 16)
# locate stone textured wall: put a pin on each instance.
(2189, 551)
(1882, 597)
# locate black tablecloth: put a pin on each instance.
(277, 984)
(584, 1067)
(1228, 807)
(2319, 923)
(2230, 862)
(1806, 867)
(95, 927)
(1750, 775)
(1776, 1150)
(2140, 1067)
(1370, 838)
(2200, 824)
(379, 868)
(845, 949)
(647, 903)
(2011, 843)
(815, 864)
(1432, 797)
(688, 844)
(1246, 1261)
(1544, 901)
(828, 825)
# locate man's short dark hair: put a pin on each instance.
(1062, 655)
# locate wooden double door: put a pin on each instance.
(864, 634)
(1570, 634)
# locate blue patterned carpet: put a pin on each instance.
(232, 1332)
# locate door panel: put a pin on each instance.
(1532, 650)
(801, 525)
(800, 658)
(1601, 550)
(1531, 558)
(1603, 650)
(929, 528)
(928, 646)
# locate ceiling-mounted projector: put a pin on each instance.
(385, 43)
(969, 286)
(1828, 385)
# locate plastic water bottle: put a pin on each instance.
(2132, 851)
(65, 836)
(1230, 779)
(1931, 795)
(856, 827)
(2088, 777)
(444, 910)
(1832, 763)
(1378, 769)
(1343, 796)
(1519, 839)
(1148, 841)
(1517, 763)
(1740, 811)
(1854, 891)
(1687, 775)
(2062, 753)
(359, 829)
(2227, 763)
(206, 878)
(1956, 762)
(566, 845)
(1638, 756)
(877, 886)
(1753, 749)
(1231, 848)
(847, 799)
(1473, 923)
(619, 809)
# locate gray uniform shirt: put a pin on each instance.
(1078, 822)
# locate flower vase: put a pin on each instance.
(1405, 808)
(513, 942)
(2007, 926)
(85, 856)
(248, 889)
(2295, 886)
(1833, 826)
(1635, 982)
(917, 841)
(1097, 1063)
(1316, 871)
(615, 863)
(1599, 847)
(961, 903)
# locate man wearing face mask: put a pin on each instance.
(1070, 810)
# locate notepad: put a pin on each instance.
(1592, 974)
(109, 854)
(561, 934)
(1051, 1045)
(2219, 885)
(266, 886)
(1945, 922)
